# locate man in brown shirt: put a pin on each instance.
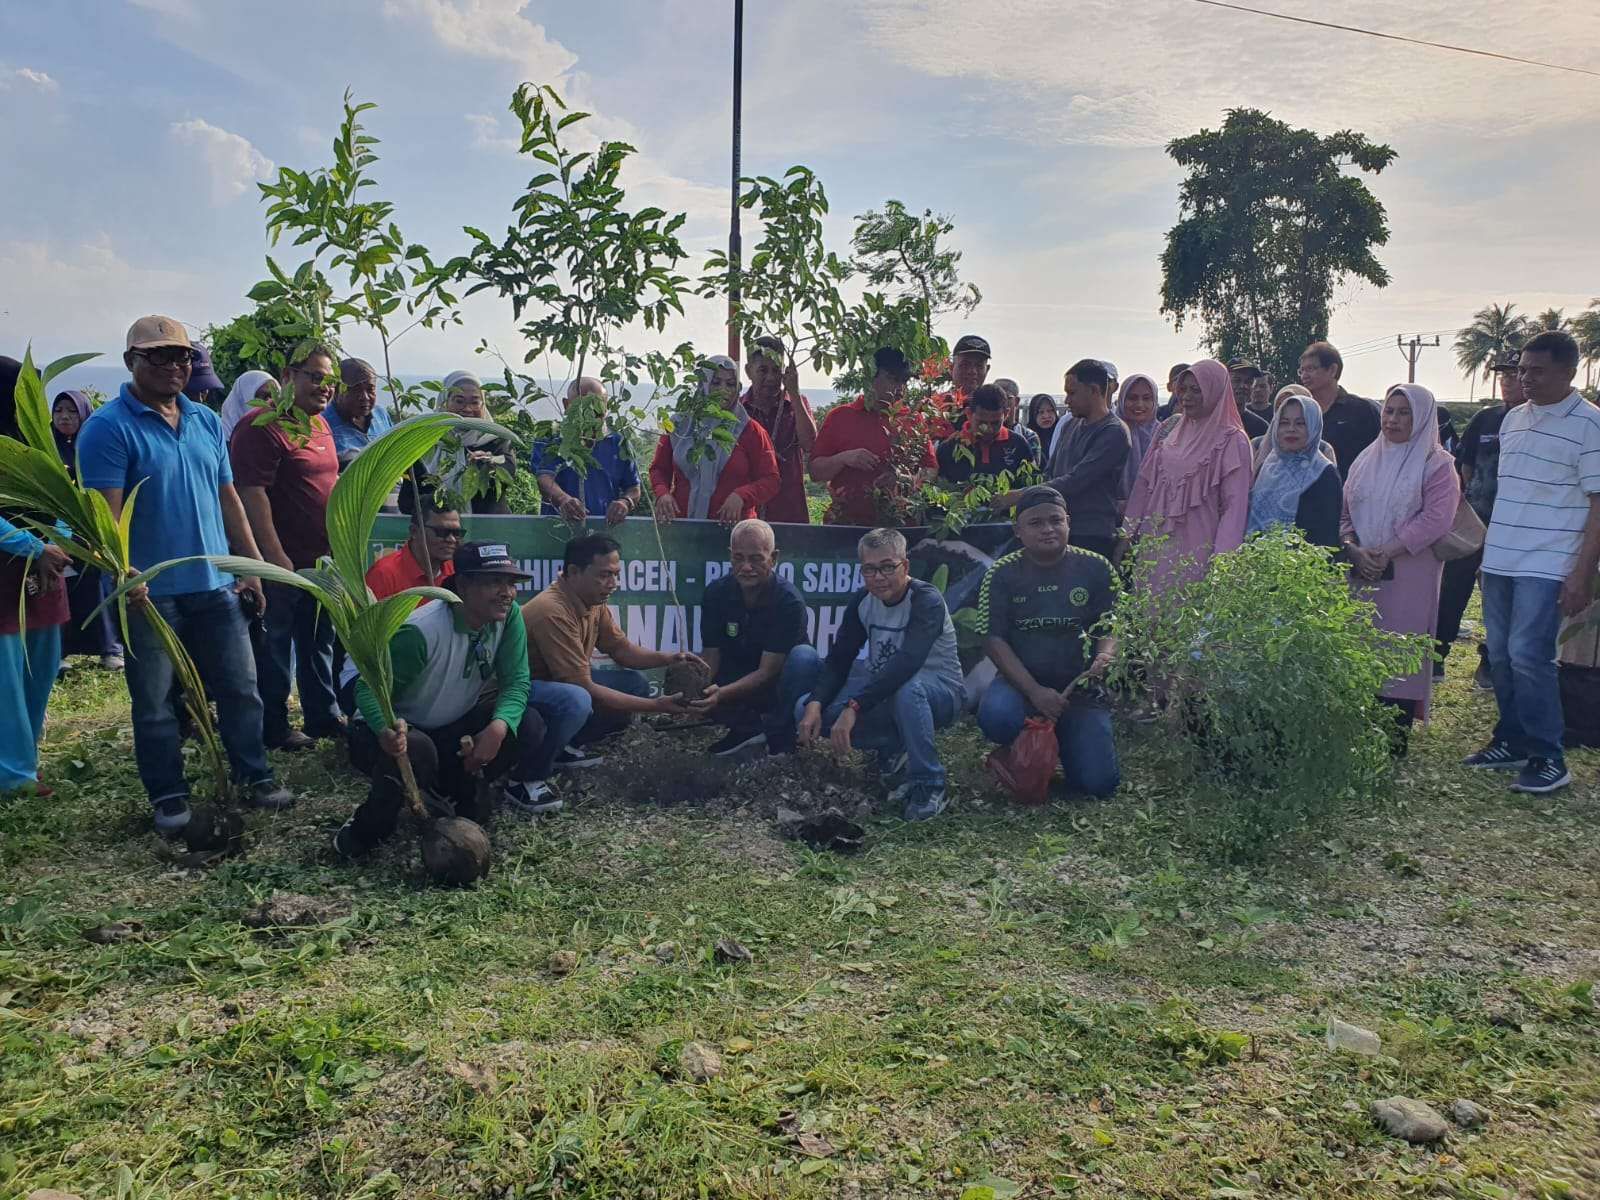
(569, 621)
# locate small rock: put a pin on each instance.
(1408, 1119)
(699, 1062)
(1342, 1036)
(665, 951)
(1467, 1114)
(473, 1077)
(740, 1045)
(814, 1145)
(730, 951)
(112, 933)
(291, 910)
(52, 1194)
(562, 962)
(789, 821)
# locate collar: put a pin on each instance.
(138, 406)
(572, 601)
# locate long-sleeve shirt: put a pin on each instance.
(911, 638)
(1086, 467)
(20, 542)
(751, 471)
(1205, 515)
(440, 667)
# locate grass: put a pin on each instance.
(1067, 1001)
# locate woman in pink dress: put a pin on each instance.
(1193, 489)
(1399, 499)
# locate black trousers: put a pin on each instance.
(1455, 590)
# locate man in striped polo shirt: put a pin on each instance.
(1539, 559)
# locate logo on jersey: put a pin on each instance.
(1079, 596)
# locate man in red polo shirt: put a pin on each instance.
(852, 450)
(777, 404)
(435, 534)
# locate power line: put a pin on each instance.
(1396, 37)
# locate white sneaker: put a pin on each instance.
(573, 759)
(531, 799)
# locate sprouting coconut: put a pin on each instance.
(213, 830)
(690, 679)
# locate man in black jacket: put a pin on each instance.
(1086, 466)
(1349, 423)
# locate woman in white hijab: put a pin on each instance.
(249, 390)
(471, 461)
(702, 476)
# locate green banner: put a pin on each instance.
(819, 560)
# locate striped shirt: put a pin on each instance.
(1549, 467)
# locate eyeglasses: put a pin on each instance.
(167, 356)
(454, 532)
(317, 377)
(872, 570)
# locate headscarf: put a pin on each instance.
(1142, 435)
(1184, 467)
(10, 373)
(1045, 434)
(241, 399)
(1384, 487)
(66, 446)
(1261, 446)
(472, 440)
(689, 435)
(1284, 477)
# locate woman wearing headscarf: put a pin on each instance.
(1194, 487)
(88, 587)
(1399, 499)
(1044, 419)
(697, 475)
(248, 391)
(1136, 406)
(471, 461)
(1296, 485)
(1260, 445)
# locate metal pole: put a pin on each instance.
(734, 249)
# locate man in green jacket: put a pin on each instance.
(460, 671)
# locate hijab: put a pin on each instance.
(66, 446)
(10, 373)
(241, 399)
(1384, 488)
(1141, 436)
(1260, 446)
(1284, 476)
(695, 452)
(1187, 462)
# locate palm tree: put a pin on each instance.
(1586, 328)
(1494, 330)
(1551, 318)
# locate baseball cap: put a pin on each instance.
(1245, 365)
(149, 333)
(971, 343)
(1036, 495)
(1509, 361)
(487, 558)
(203, 376)
(889, 361)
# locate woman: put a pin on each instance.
(248, 391)
(1136, 406)
(471, 462)
(1043, 419)
(1296, 485)
(88, 588)
(694, 474)
(1194, 487)
(1401, 498)
(1260, 445)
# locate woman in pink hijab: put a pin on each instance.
(1194, 486)
(1399, 499)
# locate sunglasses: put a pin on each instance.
(167, 356)
(447, 531)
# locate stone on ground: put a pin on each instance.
(1467, 1114)
(699, 1062)
(1408, 1119)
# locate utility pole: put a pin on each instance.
(734, 248)
(1411, 350)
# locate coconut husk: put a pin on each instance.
(455, 851)
(213, 830)
(688, 679)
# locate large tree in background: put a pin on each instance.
(1551, 319)
(1586, 328)
(905, 256)
(1269, 222)
(1495, 329)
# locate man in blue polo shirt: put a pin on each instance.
(354, 418)
(610, 488)
(156, 439)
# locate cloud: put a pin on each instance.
(486, 134)
(28, 77)
(490, 29)
(232, 161)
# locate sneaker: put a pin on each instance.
(736, 740)
(269, 795)
(1542, 775)
(293, 742)
(336, 732)
(573, 759)
(345, 844)
(112, 662)
(1482, 681)
(532, 798)
(894, 765)
(1496, 756)
(172, 814)
(925, 801)
(898, 793)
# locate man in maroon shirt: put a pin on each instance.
(284, 481)
(778, 405)
(852, 450)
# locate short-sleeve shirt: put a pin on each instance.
(961, 461)
(1351, 424)
(298, 480)
(613, 474)
(348, 440)
(1045, 614)
(742, 635)
(850, 427)
(1480, 452)
(1549, 467)
(126, 443)
(562, 636)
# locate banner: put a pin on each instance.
(819, 560)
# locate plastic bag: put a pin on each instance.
(1025, 766)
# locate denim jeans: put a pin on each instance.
(297, 640)
(565, 708)
(28, 665)
(601, 723)
(772, 710)
(906, 721)
(1521, 617)
(211, 627)
(1088, 751)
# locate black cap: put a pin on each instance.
(1245, 365)
(1509, 361)
(487, 558)
(889, 361)
(971, 343)
(1039, 494)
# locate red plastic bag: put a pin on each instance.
(1025, 766)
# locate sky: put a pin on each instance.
(134, 132)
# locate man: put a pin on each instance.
(1539, 559)
(569, 621)
(1014, 422)
(436, 533)
(204, 387)
(1349, 423)
(1171, 406)
(1086, 468)
(355, 418)
(284, 480)
(753, 627)
(777, 404)
(983, 448)
(1478, 461)
(154, 438)
(460, 671)
(610, 487)
(892, 677)
(969, 366)
(1259, 400)
(1036, 610)
(853, 450)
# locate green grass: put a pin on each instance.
(1077, 1000)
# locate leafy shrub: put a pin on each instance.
(1270, 669)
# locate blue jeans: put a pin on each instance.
(1088, 751)
(24, 695)
(565, 708)
(297, 640)
(603, 724)
(212, 628)
(772, 711)
(906, 721)
(1521, 617)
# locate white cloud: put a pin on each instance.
(486, 134)
(232, 161)
(490, 29)
(28, 77)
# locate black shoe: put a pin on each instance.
(571, 758)
(269, 795)
(1542, 775)
(1482, 681)
(337, 732)
(345, 844)
(1438, 668)
(292, 742)
(736, 740)
(172, 814)
(1496, 756)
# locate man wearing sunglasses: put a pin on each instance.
(425, 558)
(156, 439)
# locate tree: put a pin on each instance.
(903, 253)
(1550, 319)
(1495, 330)
(1269, 223)
(1586, 328)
